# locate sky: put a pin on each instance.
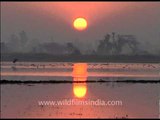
(53, 21)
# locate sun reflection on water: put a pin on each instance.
(80, 74)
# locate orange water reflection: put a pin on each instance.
(80, 74)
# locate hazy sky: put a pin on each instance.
(43, 20)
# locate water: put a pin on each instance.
(62, 70)
(138, 100)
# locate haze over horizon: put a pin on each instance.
(45, 20)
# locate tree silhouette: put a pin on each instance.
(113, 44)
(23, 38)
(72, 49)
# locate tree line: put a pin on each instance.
(111, 44)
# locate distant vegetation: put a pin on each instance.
(112, 45)
(22, 44)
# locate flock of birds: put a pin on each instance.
(91, 65)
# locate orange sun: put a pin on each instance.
(80, 24)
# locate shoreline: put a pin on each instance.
(29, 57)
(71, 82)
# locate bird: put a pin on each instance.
(15, 60)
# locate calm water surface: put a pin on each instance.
(138, 100)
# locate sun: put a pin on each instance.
(80, 24)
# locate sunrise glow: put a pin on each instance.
(80, 24)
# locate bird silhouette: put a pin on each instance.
(15, 60)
